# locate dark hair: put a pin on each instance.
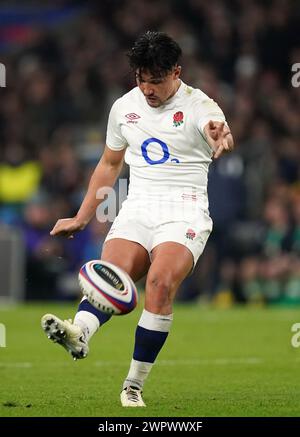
(155, 52)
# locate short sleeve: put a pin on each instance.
(209, 110)
(114, 138)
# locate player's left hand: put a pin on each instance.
(218, 137)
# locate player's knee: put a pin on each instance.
(159, 287)
(160, 283)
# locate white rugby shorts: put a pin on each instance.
(151, 220)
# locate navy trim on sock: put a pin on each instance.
(86, 306)
(148, 344)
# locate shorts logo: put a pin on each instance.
(132, 117)
(189, 196)
(178, 119)
(190, 234)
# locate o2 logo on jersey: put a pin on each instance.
(164, 149)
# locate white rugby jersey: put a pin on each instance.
(165, 145)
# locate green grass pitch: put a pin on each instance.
(236, 362)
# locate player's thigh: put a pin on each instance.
(174, 257)
(171, 263)
(128, 255)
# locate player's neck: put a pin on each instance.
(176, 88)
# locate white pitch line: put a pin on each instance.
(192, 362)
(17, 365)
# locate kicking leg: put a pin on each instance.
(172, 262)
(128, 255)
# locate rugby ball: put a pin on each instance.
(107, 287)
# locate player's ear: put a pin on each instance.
(177, 71)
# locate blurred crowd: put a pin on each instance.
(61, 82)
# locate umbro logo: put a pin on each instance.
(132, 117)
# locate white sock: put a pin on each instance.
(88, 322)
(137, 374)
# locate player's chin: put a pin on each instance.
(154, 103)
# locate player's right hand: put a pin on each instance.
(67, 227)
(219, 137)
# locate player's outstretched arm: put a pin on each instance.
(219, 137)
(105, 175)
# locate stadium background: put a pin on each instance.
(65, 65)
